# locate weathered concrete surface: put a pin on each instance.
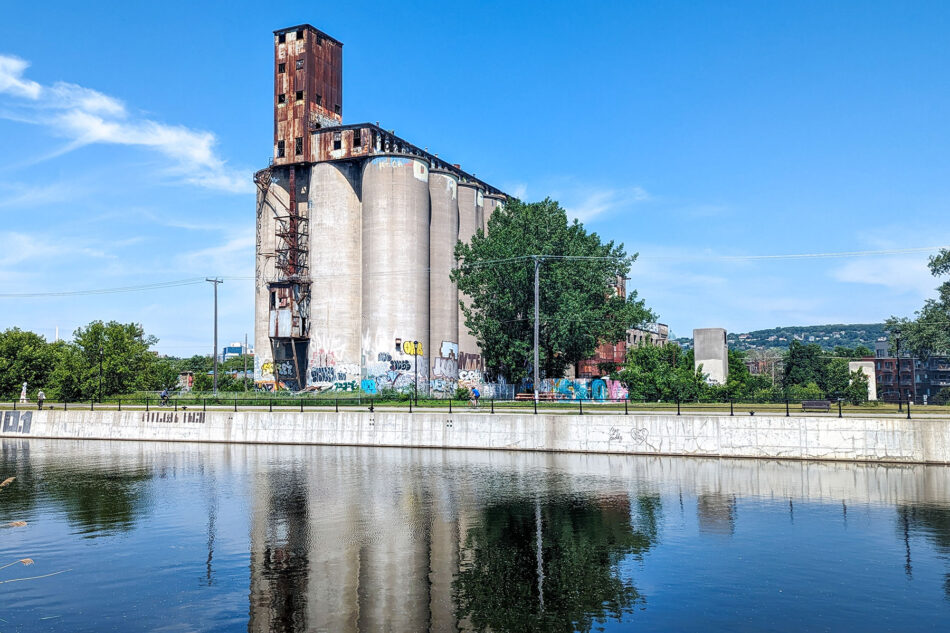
(771, 437)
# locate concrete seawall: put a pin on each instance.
(769, 437)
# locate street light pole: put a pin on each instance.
(537, 295)
(415, 381)
(897, 339)
(214, 354)
(100, 373)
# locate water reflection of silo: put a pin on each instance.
(279, 554)
(716, 513)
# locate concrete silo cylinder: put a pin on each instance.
(335, 269)
(443, 293)
(395, 319)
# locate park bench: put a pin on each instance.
(544, 397)
(816, 405)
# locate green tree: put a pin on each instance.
(24, 357)
(857, 390)
(579, 307)
(803, 364)
(663, 372)
(929, 333)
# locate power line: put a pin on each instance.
(831, 255)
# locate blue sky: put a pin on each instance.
(689, 131)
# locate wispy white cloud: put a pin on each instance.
(22, 248)
(234, 256)
(590, 204)
(901, 274)
(84, 116)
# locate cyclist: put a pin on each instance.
(164, 397)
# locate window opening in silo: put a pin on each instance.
(281, 98)
(281, 38)
(299, 64)
(300, 95)
(318, 99)
(281, 68)
(336, 108)
(280, 149)
(298, 145)
(300, 34)
(337, 142)
(357, 138)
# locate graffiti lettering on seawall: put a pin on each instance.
(349, 385)
(599, 389)
(399, 365)
(174, 418)
(17, 421)
(368, 385)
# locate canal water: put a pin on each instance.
(128, 536)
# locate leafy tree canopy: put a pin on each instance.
(578, 306)
(929, 333)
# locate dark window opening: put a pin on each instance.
(300, 95)
(337, 142)
(281, 98)
(299, 64)
(281, 68)
(337, 108)
(318, 99)
(273, 299)
(280, 149)
(281, 38)
(357, 138)
(298, 145)
(300, 34)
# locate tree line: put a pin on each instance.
(104, 359)
(805, 372)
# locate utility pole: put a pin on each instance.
(537, 295)
(214, 354)
(244, 354)
(100, 373)
(415, 381)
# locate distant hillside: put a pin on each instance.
(828, 336)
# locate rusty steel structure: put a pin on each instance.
(349, 248)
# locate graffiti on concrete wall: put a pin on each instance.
(17, 421)
(326, 373)
(584, 389)
(397, 371)
(445, 369)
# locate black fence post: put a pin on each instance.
(625, 412)
(120, 404)
(270, 405)
(908, 408)
(410, 404)
(450, 405)
(235, 405)
(146, 403)
(204, 404)
(371, 405)
(92, 405)
(14, 405)
(176, 405)
(336, 402)
(839, 407)
(492, 405)
(731, 410)
(535, 400)
(787, 414)
(580, 406)
(677, 406)
(301, 405)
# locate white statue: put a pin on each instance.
(23, 398)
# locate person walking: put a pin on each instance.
(40, 397)
(475, 397)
